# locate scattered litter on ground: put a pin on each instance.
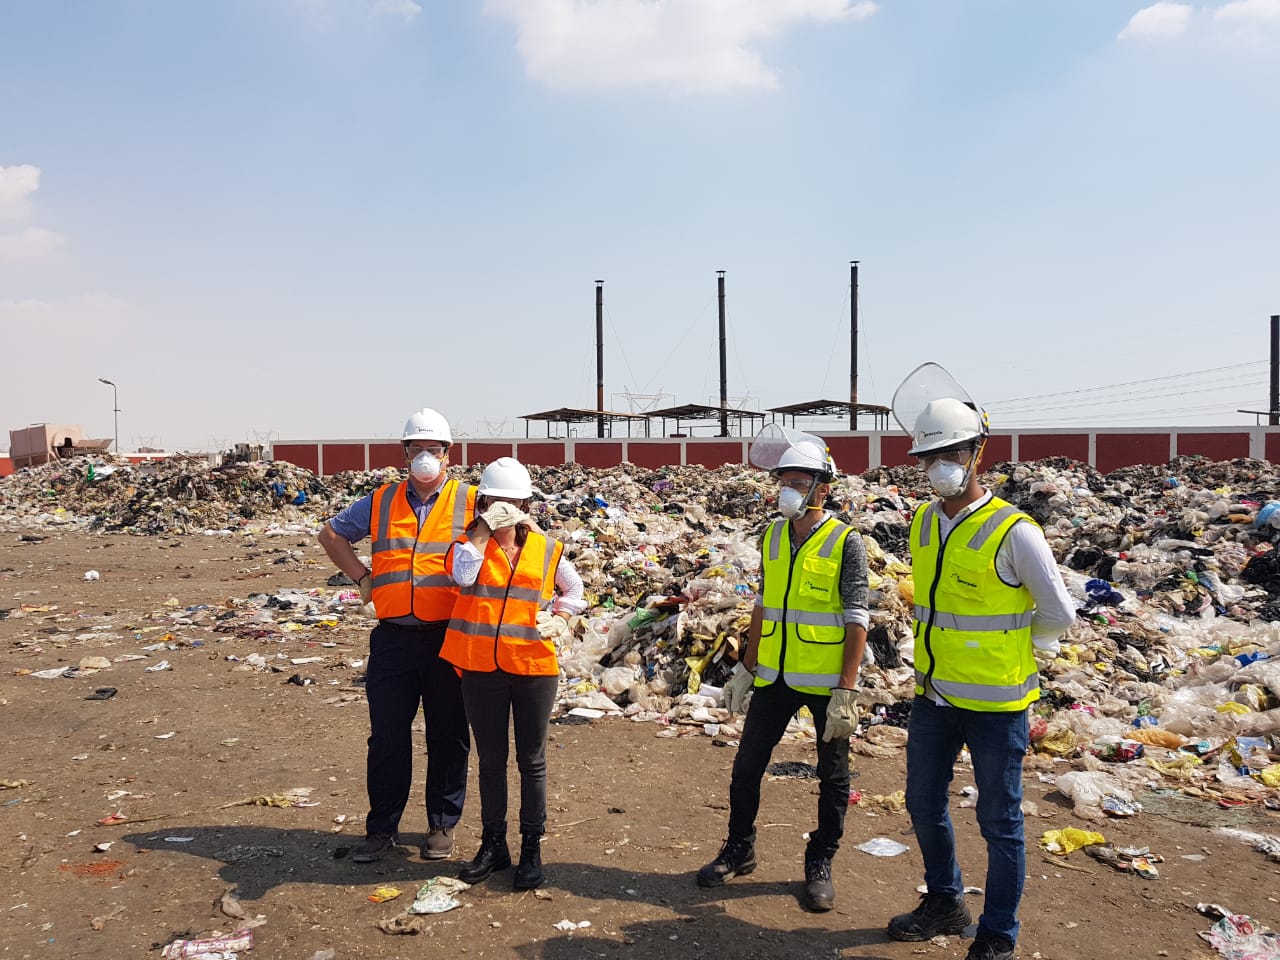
(437, 895)
(1239, 937)
(224, 946)
(883, 847)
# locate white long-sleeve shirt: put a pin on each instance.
(569, 600)
(1024, 559)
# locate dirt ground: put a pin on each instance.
(631, 814)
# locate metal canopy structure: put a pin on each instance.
(701, 411)
(568, 415)
(834, 408)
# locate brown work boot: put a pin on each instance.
(439, 844)
(374, 847)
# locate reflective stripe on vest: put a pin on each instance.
(495, 621)
(409, 579)
(972, 631)
(802, 630)
(981, 691)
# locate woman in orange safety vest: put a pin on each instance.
(508, 572)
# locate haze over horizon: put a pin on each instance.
(289, 219)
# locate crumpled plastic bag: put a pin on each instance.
(1087, 788)
(1067, 839)
(1238, 937)
(437, 895)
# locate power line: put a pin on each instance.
(1129, 383)
(1235, 386)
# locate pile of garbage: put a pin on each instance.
(1173, 568)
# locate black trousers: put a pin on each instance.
(405, 670)
(495, 702)
(772, 708)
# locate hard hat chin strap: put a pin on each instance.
(974, 458)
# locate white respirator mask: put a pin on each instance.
(791, 503)
(947, 478)
(425, 467)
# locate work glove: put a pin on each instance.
(365, 585)
(502, 514)
(553, 627)
(735, 691)
(1046, 652)
(842, 715)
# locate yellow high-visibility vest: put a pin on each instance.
(972, 630)
(802, 634)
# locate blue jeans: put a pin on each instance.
(997, 743)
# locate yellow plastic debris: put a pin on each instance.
(1155, 737)
(894, 802)
(1270, 775)
(1182, 767)
(1058, 743)
(1063, 841)
(383, 894)
(1237, 709)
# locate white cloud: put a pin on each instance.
(683, 45)
(16, 185)
(1249, 12)
(1160, 20)
(400, 8)
(32, 245)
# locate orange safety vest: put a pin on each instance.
(495, 621)
(409, 578)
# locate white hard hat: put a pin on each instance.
(945, 424)
(506, 477)
(426, 424)
(810, 455)
(777, 448)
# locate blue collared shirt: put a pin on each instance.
(353, 523)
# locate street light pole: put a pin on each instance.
(115, 404)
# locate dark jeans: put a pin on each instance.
(494, 700)
(997, 743)
(772, 708)
(405, 670)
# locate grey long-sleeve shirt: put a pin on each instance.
(854, 594)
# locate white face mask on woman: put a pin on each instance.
(948, 478)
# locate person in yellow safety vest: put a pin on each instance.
(804, 647)
(989, 604)
(509, 571)
(411, 524)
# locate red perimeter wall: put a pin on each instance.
(852, 452)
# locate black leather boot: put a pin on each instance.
(819, 891)
(529, 872)
(493, 855)
(736, 858)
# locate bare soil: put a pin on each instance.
(632, 814)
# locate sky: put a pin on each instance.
(304, 219)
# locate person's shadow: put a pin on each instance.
(255, 859)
